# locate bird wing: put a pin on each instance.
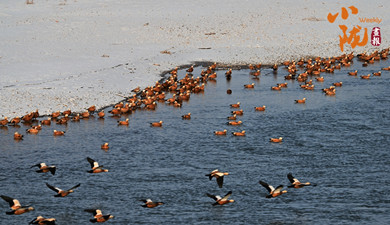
(220, 181)
(227, 196)
(78, 185)
(215, 197)
(39, 165)
(56, 189)
(267, 186)
(12, 202)
(146, 200)
(291, 178)
(93, 163)
(278, 189)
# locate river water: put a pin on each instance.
(340, 143)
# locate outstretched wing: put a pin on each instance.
(291, 178)
(75, 187)
(93, 163)
(56, 189)
(278, 189)
(215, 197)
(267, 186)
(227, 196)
(220, 181)
(12, 202)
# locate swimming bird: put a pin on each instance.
(238, 112)
(273, 192)
(295, 183)
(234, 117)
(105, 146)
(260, 108)
(252, 85)
(18, 136)
(218, 176)
(32, 131)
(236, 105)
(156, 124)
(242, 133)
(60, 192)
(219, 200)
(303, 100)
(124, 122)
(276, 140)
(40, 220)
(220, 132)
(43, 168)
(234, 123)
(375, 74)
(186, 116)
(353, 73)
(98, 216)
(366, 77)
(150, 204)
(338, 84)
(16, 207)
(58, 133)
(95, 168)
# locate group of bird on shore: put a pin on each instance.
(181, 89)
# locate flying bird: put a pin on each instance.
(60, 192)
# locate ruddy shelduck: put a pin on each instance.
(43, 168)
(58, 133)
(236, 105)
(303, 100)
(60, 192)
(186, 116)
(95, 168)
(273, 192)
(218, 176)
(276, 140)
(242, 133)
(40, 220)
(16, 207)
(98, 216)
(252, 85)
(260, 108)
(156, 124)
(124, 122)
(295, 183)
(18, 136)
(105, 146)
(221, 201)
(220, 132)
(148, 203)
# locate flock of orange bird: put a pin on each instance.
(181, 89)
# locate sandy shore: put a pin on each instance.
(56, 55)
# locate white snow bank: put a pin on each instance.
(56, 55)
